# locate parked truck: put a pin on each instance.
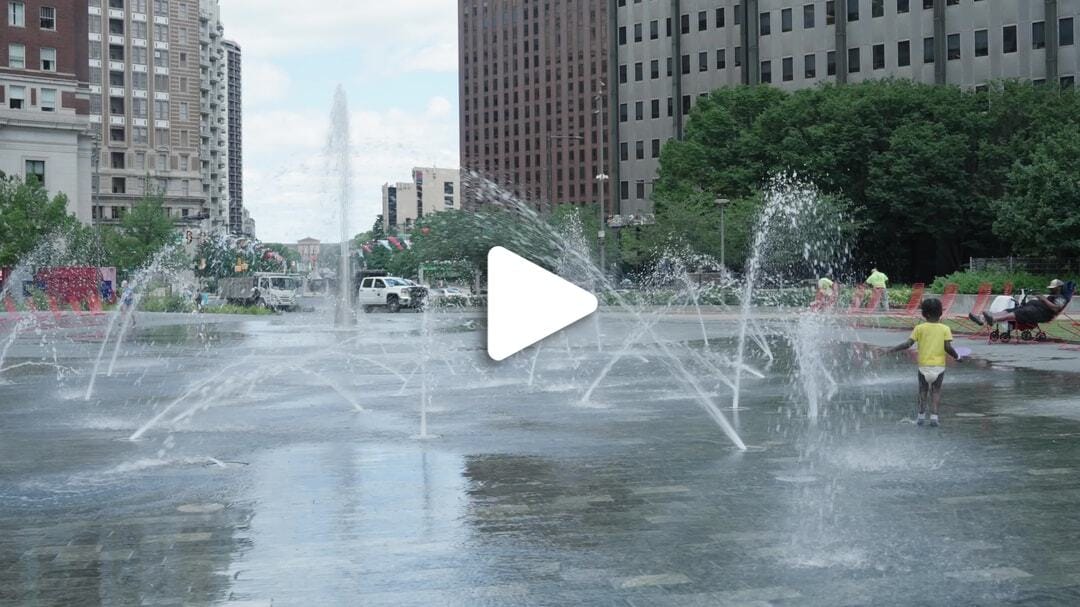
(274, 291)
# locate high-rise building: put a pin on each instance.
(235, 138)
(214, 112)
(533, 114)
(44, 103)
(672, 52)
(431, 190)
(144, 85)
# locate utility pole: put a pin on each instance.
(602, 175)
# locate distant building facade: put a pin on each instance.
(44, 99)
(532, 117)
(431, 190)
(234, 135)
(672, 52)
(309, 253)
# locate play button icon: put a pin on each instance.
(526, 303)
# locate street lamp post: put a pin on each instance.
(722, 203)
(601, 176)
(550, 137)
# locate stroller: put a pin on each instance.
(1006, 331)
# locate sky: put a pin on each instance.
(397, 63)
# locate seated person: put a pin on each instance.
(1041, 309)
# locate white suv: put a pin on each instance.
(394, 293)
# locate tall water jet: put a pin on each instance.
(339, 152)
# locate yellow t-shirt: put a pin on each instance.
(824, 284)
(877, 280)
(931, 338)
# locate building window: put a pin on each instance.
(1068, 82)
(788, 66)
(830, 63)
(810, 66)
(852, 10)
(116, 134)
(622, 74)
(48, 100)
(903, 6)
(622, 35)
(654, 69)
(639, 72)
(624, 190)
(162, 161)
(655, 148)
(879, 56)
(738, 56)
(928, 50)
(721, 59)
(48, 18)
(117, 160)
(640, 190)
(1008, 39)
(877, 8)
(48, 59)
(830, 12)
(622, 112)
(639, 150)
(702, 21)
(17, 56)
(982, 43)
(140, 135)
(624, 151)
(685, 104)
(183, 110)
(161, 58)
(766, 24)
(16, 14)
(766, 72)
(16, 97)
(853, 60)
(927, 4)
(686, 64)
(903, 53)
(35, 169)
(655, 107)
(1038, 35)
(703, 61)
(785, 20)
(953, 44)
(119, 186)
(720, 17)
(654, 29)
(639, 110)
(1065, 31)
(637, 32)
(808, 16)
(161, 109)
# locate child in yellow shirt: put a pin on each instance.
(935, 341)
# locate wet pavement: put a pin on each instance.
(284, 468)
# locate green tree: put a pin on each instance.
(143, 233)
(28, 216)
(1040, 212)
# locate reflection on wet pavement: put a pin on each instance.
(267, 486)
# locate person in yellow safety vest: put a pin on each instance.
(878, 281)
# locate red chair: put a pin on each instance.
(948, 298)
(856, 299)
(911, 308)
(981, 301)
(9, 305)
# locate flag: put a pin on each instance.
(396, 243)
(386, 244)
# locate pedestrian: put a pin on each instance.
(825, 297)
(1043, 308)
(878, 281)
(127, 300)
(934, 340)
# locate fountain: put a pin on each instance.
(339, 154)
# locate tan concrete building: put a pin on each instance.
(431, 190)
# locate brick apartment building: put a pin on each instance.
(44, 103)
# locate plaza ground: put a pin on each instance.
(263, 484)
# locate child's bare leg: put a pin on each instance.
(924, 388)
(935, 394)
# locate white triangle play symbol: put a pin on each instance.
(526, 303)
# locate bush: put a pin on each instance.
(232, 309)
(969, 281)
(170, 303)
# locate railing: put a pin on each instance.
(1034, 265)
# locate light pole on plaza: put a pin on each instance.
(722, 203)
(601, 175)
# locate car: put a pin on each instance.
(450, 296)
(390, 292)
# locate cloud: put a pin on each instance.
(288, 190)
(264, 82)
(397, 35)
